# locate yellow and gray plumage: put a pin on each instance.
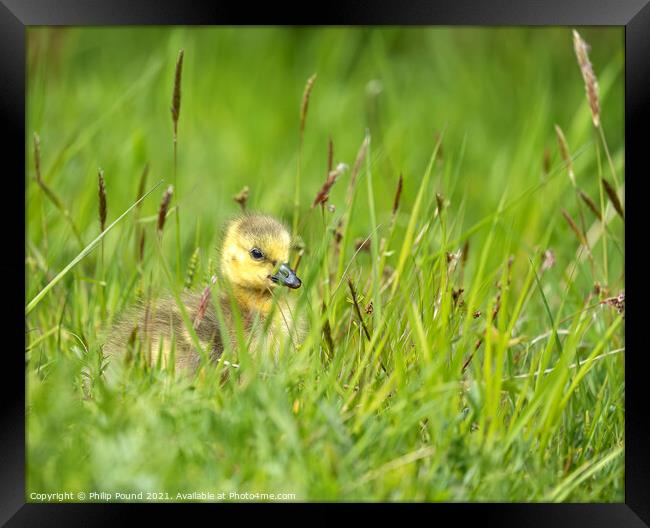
(254, 262)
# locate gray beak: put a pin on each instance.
(286, 276)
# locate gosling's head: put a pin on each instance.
(255, 254)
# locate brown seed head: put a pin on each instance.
(242, 197)
(323, 194)
(591, 84)
(102, 200)
(362, 244)
(203, 303)
(304, 105)
(164, 207)
(617, 302)
(613, 197)
(440, 201)
(398, 193)
(465, 252)
(590, 203)
(574, 227)
(141, 246)
(176, 98)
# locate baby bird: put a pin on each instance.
(254, 262)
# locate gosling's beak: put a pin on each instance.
(285, 275)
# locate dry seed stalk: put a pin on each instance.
(591, 84)
(613, 197)
(465, 253)
(176, 110)
(39, 179)
(440, 202)
(362, 244)
(304, 105)
(141, 247)
(574, 227)
(164, 206)
(102, 200)
(138, 229)
(242, 197)
(203, 303)
(398, 193)
(590, 203)
(323, 194)
(358, 310)
(471, 356)
(176, 97)
(617, 302)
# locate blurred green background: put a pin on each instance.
(100, 97)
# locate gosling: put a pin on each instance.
(254, 262)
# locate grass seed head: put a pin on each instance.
(362, 244)
(164, 207)
(242, 197)
(613, 197)
(141, 247)
(203, 303)
(591, 84)
(440, 202)
(465, 253)
(574, 227)
(590, 203)
(398, 193)
(191, 269)
(176, 97)
(323, 194)
(617, 302)
(304, 105)
(102, 199)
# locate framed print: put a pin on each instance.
(375, 255)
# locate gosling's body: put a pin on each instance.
(254, 262)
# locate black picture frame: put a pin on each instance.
(634, 15)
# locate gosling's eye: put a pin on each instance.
(256, 254)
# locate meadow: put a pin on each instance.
(463, 279)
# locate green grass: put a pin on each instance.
(412, 411)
